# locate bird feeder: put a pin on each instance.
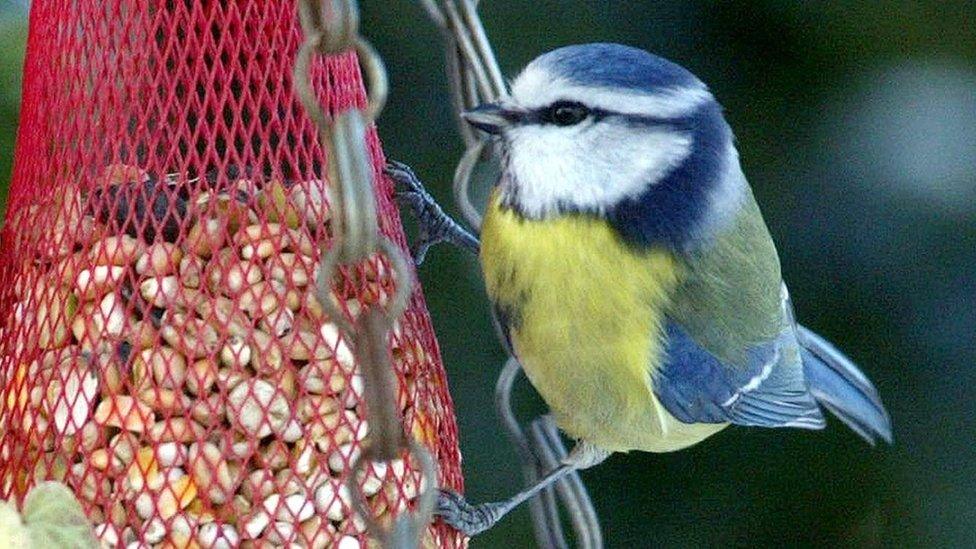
(165, 351)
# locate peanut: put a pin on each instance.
(159, 259)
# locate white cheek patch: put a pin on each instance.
(589, 167)
(595, 165)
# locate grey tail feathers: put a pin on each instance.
(840, 387)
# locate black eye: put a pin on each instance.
(566, 113)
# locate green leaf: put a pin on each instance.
(54, 518)
(13, 533)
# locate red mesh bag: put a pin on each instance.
(163, 352)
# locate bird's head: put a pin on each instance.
(614, 131)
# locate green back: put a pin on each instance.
(730, 299)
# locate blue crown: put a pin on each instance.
(616, 66)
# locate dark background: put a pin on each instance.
(855, 123)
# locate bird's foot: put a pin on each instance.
(466, 518)
(435, 225)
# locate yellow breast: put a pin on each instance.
(586, 316)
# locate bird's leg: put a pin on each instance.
(548, 445)
(473, 519)
(435, 225)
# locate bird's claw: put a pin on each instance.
(404, 176)
(410, 191)
(434, 225)
(419, 250)
(464, 517)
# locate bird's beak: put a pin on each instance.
(492, 118)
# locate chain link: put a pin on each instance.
(332, 27)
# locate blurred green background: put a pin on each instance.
(856, 123)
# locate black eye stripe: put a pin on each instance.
(562, 113)
(543, 115)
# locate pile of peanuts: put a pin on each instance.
(171, 363)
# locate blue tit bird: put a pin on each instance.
(631, 271)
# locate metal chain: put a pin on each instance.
(475, 78)
(332, 27)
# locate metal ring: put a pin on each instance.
(425, 501)
(348, 25)
(462, 183)
(428, 467)
(328, 265)
(303, 82)
(483, 47)
(404, 279)
(375, 78)
(467, 45)
(464, 91)
(339, 24)
(434, 12)
(310, 17)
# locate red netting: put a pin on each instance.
(162, 349)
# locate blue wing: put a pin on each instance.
(768, 391)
